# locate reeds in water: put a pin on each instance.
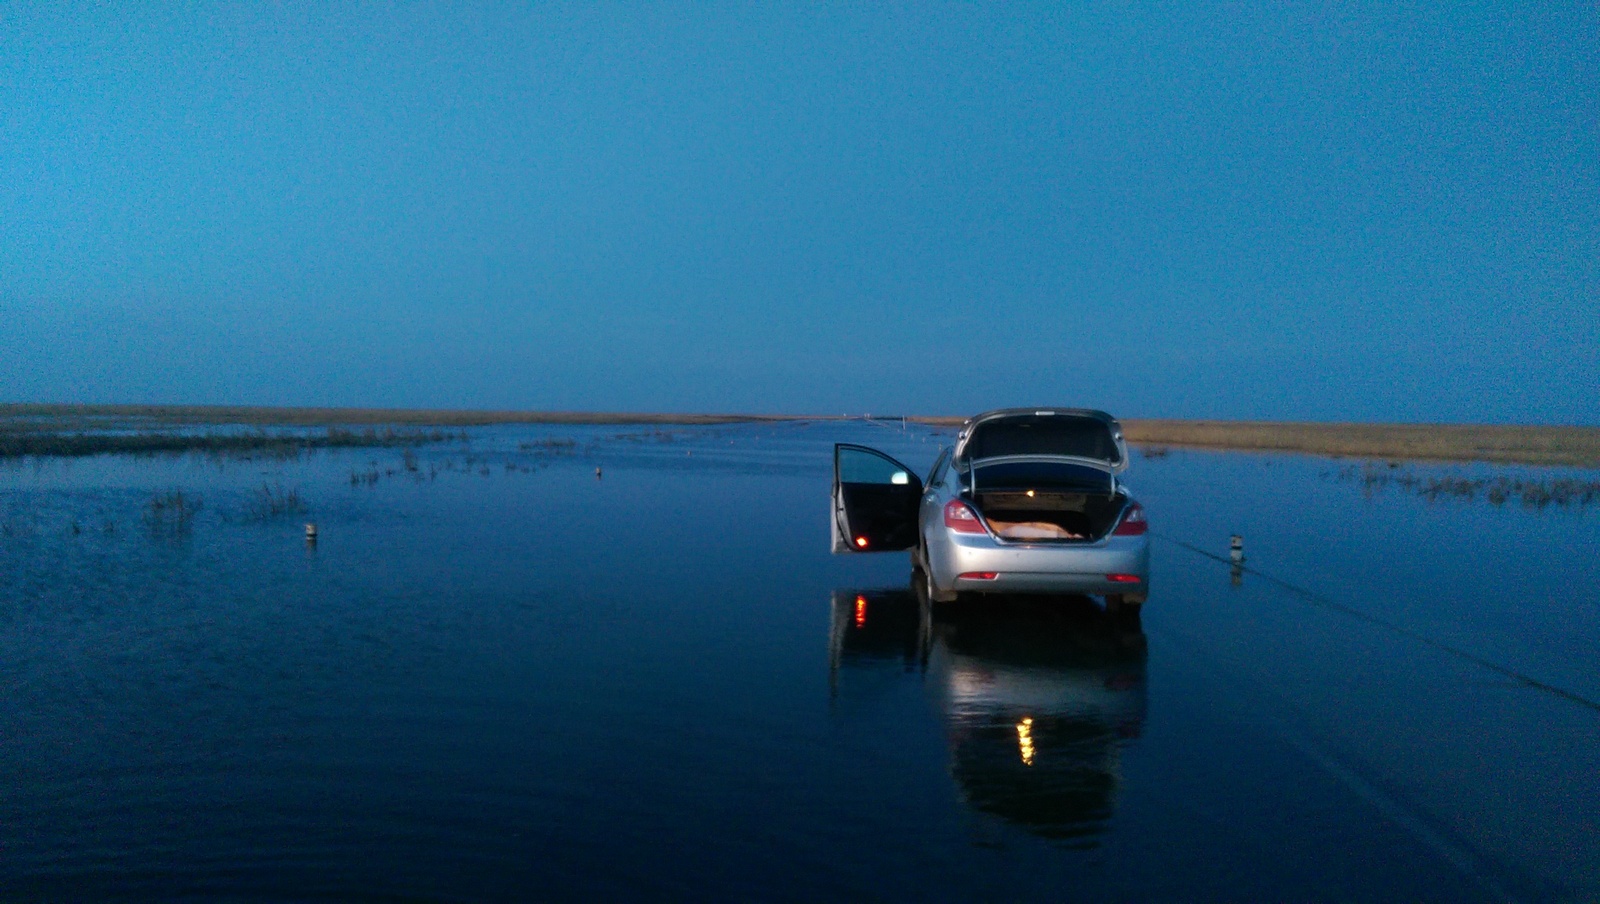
(172, 511)
(272, 501)
(1530, 492)
(17, 444)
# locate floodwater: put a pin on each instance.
(499, 674)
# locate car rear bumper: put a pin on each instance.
(1051, 582)
(1041, 568)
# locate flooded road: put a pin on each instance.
(609, 662)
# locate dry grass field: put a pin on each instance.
(69, 417)
(1437, 442)
(1578, 446)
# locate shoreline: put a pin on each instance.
(1506, 444)
(1502, 444)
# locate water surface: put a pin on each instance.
(499, 674)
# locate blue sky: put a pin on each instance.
(1374, 212)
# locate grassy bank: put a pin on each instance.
(1578, 446)
(60, 429)
(72, 417)
(1435, 442)
(20, 443)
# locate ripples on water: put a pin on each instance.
(497, 674)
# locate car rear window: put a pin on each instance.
(1081, 437)
(1041, 475)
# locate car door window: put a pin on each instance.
(875, 501)
(859, 466)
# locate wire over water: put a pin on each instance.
(1328, 603)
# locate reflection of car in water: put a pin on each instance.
(1038, 697)
(1027, 501)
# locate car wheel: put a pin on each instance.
(1120, 607)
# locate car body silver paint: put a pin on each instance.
(1022, 566)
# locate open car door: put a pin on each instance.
(875, 500)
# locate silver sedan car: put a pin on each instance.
(1027, 501)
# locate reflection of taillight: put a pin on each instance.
(1123, 578)
(1133, 523)
(960, 518)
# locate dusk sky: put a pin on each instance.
(1369, 212)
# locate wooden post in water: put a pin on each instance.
(311, 534)
(1236, 549)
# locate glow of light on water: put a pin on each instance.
(1025, 740)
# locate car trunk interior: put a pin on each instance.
(1045, 499)
(1050, 515)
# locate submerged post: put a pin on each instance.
(1236, 558)
(311, 534)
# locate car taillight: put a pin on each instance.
(959, 517)
(1133, 523)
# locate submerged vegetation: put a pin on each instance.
(18, 443)
(1497, 490)
(171, 511)
(272, 500)
(170, 416)
(552, 446)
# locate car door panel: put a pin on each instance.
(875, 501)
